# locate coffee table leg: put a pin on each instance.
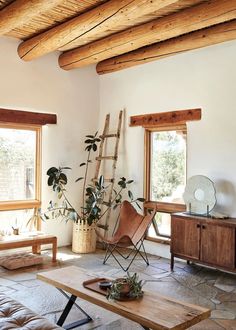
(66, 311)
(146, 328)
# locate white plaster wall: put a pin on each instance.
(42, 86)
(204, 78)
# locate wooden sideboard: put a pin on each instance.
(204, 240)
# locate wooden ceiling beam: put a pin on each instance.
(19, 12)
(105, 17)
(202, 38)
(200, 16)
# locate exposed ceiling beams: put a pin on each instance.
(95, 23)
(202, 38)
(56, 15)
(19, 12)
(191, 19)
(117, 33)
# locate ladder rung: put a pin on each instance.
(105, 179)
(108, 136)
(107, 157)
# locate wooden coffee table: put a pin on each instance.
(153, 311)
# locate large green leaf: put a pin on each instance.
(94, 147)
(73, 215)
(140, 199)
(130, 194)
(101, 181)
(79, 179)
(50, 181)
(138, 205)
(63, 177)
(52, 170)
(89, 190)
(59, 195)
(122, 184)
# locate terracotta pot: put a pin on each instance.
(125, 287)
(16, 231)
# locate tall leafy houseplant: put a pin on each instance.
(94, 207)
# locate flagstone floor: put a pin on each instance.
(190, 283)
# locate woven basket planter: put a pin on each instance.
(84, 238)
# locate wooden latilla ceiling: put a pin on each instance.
(116, 34)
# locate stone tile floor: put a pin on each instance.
(191, 283)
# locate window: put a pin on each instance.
(20, 154)
(15, 219)
(165, 175)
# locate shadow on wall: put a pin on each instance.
(226, 197)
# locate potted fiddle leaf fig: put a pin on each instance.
(93, 206)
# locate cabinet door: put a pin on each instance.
(218, 245)
(185, 237)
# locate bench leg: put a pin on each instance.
(54, 250)
(36, 249)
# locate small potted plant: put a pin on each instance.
(93, 207)
(126, 288)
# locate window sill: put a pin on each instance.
(165, 207)
(19, 205)
(158, 240)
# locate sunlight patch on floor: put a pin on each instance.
(66, 257)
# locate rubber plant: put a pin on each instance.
(94, 206)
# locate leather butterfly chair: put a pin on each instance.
(130, 233)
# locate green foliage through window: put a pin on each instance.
(168, 163)
(17, 164)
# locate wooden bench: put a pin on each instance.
(34, 240)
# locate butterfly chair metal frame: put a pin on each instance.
(130, 233)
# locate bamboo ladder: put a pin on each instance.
(101, 157)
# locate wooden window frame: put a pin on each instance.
(32, 203)
(162, 207)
